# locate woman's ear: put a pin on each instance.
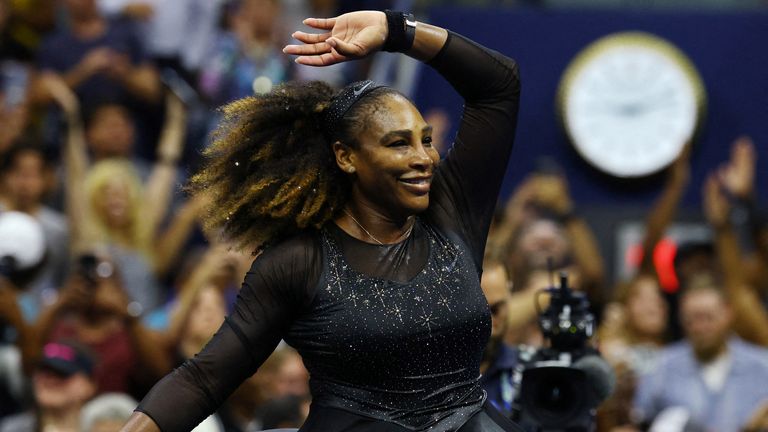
(344, 157)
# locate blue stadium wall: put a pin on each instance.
(730, 50)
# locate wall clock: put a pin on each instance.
(629, 103)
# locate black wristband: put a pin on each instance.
(401, 31)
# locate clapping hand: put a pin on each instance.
(350, 36)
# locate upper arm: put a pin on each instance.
(469, 178)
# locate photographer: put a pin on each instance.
(94, 309)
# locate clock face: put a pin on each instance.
(630, 102)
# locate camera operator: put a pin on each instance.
(499, 359)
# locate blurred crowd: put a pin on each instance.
(104, 108)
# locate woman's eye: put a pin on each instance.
(398, 143)
(427, 141)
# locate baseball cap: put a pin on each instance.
(67, 358)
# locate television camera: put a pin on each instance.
(560, 386)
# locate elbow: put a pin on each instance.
(509, 85)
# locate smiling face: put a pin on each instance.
(393, 162)
(114, 203)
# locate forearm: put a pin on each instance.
(140, 422)
(76, 166)
(173, 239)
(659, 218)
(429, 40)
(729, 255)
(586, 254)
(158, 195)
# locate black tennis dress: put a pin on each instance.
(392, 335)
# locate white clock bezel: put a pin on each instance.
(622, 151)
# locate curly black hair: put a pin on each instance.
(270, 170)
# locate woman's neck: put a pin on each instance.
(366, 224)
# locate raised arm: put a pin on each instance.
(751, 318)
(75, 159)
(738, 178)
(468, 181)
(161, 180)
(172, 239)
(664, 210)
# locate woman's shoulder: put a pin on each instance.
(297, 257)
(290, 269)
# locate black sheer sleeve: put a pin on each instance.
(468, 180)
(278, 288)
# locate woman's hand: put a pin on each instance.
(350, 36)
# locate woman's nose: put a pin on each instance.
(421, 156)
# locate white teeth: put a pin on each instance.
(415, 181)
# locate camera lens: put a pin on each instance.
(554, 395)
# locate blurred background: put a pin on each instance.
(107, 280)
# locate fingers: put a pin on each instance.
(310, 38)
(346, 48)
(320, 23)
(311, 49)
(326, 59)
(316, 53)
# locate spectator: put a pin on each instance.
(751, 317)
(99, 59)
(637, 325)
(26, 176)
(199, 312)
(737, 178)
(716, 378)
(540, 226)
(539, 230)
(499, 359)
(14, 101)
(247, 57)
(62, 383)
(108, 205)
(176, 33)
(107, 413)
(94, 309)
